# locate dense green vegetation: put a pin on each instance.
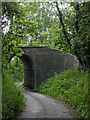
(70, 86)
(59, 25)
(12, 97)
(16, 69)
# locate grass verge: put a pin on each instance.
(70, 86)
(12, 97)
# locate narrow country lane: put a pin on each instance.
(41, 106)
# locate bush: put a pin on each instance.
(70, 86)
(12, 97)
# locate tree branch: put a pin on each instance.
(63, 26)
(77, 17)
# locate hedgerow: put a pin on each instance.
(12, 97)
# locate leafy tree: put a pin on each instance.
(19, 18)
(79, 37)
(80, 42)
(39, 22)
(9, 10)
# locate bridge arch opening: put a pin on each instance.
(17, 69)
(28, 69)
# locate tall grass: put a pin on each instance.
(12, 97)
(70, 86)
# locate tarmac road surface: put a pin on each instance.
(42, 106)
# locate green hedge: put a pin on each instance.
(12, 97)
(70, 86)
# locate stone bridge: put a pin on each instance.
(41, 62)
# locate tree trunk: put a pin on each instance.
(63, 26)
